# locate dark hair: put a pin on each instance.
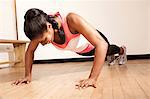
(35, 23)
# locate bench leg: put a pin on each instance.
(11, 58)
(19, 54)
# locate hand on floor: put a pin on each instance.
(86, 83)
(25, 80)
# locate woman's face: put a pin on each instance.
(48, 36)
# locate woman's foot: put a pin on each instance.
(122, 56)
(111, 60)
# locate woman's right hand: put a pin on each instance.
(25, 80)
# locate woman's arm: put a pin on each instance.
(29, 56)
(77, 23)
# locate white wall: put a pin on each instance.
(7, 24)
(7, 19)
(124, 22)
(148, 25)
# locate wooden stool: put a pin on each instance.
(18, 50)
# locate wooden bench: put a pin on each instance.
(18, 50)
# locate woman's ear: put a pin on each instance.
(49, 26)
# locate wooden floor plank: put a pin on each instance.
(57, 81)
(142, 80)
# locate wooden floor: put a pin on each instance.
(57, 81)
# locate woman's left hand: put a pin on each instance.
(86, 83)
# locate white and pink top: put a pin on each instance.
(73, 42)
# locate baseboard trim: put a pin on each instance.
(63, 60)
(129, 57)
(143, 56)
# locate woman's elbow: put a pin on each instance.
(103, 46)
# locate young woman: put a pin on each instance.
(64, 33)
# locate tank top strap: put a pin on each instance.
(67, 32)
(64, 23)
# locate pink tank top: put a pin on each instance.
(73, 42)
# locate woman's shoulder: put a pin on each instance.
(73, 18)
(71, 15)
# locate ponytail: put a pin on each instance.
(52, 21)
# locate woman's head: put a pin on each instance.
(37, 24)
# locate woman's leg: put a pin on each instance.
(114, 49)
